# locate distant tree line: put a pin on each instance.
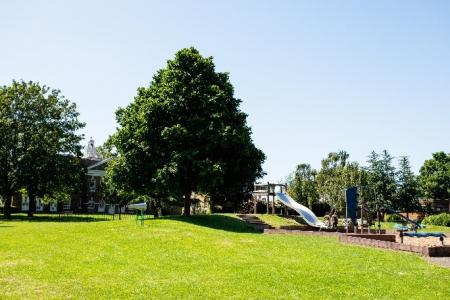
(380, 181)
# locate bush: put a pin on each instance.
(393, 218)
(442, 219)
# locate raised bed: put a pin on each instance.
(435, 251)
(385, 241)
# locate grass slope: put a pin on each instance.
(200, 257)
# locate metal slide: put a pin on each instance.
(304, 212)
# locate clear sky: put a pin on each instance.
(314, 76)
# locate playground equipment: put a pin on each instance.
(404, 230)
(263, 192)
(416, 225)
(140, 211)
(304, 212)
(350, 206)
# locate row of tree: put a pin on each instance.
(182, 135)
(380, 182)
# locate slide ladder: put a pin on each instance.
(304, 212)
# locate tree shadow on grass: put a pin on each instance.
(4, 226)
(220, 222)
(60, 218)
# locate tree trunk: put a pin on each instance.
(32, 205)
(153, 209)
(187, 204)
(7, 206)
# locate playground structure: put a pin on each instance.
(305, 213)
(271, 192)
(140, 211)
(415, 225)
(262, 193)
(356, 229)
(411, 231)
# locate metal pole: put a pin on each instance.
(268, 195)
(273, 201)
(378, 218)
(346, 212)
(362, 222)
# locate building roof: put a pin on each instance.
(97, 168)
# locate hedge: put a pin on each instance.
(442, 219)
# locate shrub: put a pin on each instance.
(393, 218)
(442, 219)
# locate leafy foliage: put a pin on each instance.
(393, 218)
(43, 152)
(302, 185)
(407, 194)
(434, 176)
(381, 177)
(442, 219)
(185, 133)
(337, 174)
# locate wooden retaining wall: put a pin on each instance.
(438, 251)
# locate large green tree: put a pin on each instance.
(407, 194)
(8, 148)
(434, 177)
(302, 185)
(381, 177)
(185, 133)
(336, 174)
(44, 153)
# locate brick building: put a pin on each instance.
(88, 199)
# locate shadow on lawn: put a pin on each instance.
(3, 226)
(219, 222)
(58, 218)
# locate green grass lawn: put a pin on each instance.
(277, 221)
(212, 257)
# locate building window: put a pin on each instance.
(92, 185)
(66, 206)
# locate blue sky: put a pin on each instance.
(314, 76)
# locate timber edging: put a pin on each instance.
(384, 241)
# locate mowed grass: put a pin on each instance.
(277, 221)
(212, 257)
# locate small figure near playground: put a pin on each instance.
(331, 219)
(334, 220)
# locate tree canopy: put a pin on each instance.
(382, 177)
(335, 175)
(434, 176)
(407, 194)
(42, 151)
(302, 185)
(185, 133)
